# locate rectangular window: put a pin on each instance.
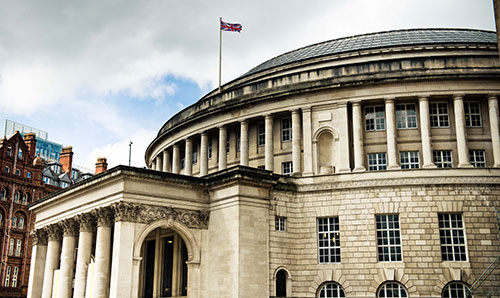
(388, 238)
(7, 277)
(11, 247)
(472, 114)
(14, 276)
(409, 160)
(228, 143)
(209, 148)
(328, 240)
(261, 134)
(374, 118)
(280, 223)
(238, 141)
(377, 162)
(286, 129)
(442, 158)
(195, 154)
(261, 167)
(477, 159)
(18, 247)
(286, 168)
(406, 116)
(452, 237)
(438, 114)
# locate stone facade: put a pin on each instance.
(378, 174)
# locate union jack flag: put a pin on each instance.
(230, 27)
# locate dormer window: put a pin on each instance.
(20, 154)
(9, 151)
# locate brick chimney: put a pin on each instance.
(66, 159)
(30, 140)
(101, 165)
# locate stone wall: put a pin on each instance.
(421, 271)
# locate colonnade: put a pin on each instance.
(55, 244)
(301, 138)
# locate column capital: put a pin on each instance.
(458, 95)
(222, 127)
(39, 237)
(204, 133)
(86, 221)
(294, 110)
(53, 232)
(69, 227)
(306, 109)
(104, 216)
(492, 96)
(188, 140)
(389, 99)
(268, 116)
(424, 97)
(356, 103)
(125, 211)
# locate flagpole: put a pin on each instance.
(220, 55)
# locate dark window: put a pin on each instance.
(281, 283)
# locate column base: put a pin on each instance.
(497, 165)
(296, 174)
(465, 165)
(307, 174)
(359, 169)
(429, 166)
(346, 170)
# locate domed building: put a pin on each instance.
(366, 166)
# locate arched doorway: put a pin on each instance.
(164, 272)
(281, 278)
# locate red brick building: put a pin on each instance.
(20, 184)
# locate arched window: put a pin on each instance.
(281, 277)
(4, 194)
(14, 276)
(331, 290)
(18, 172)
(9, 151)
(14, 221)
(7, 169)
(1, 219)
(21, 222)
(20, 154)
(17, 197)
(28, 175)
(392, 289)
(26, 199)
(7, 277)
(456, 290)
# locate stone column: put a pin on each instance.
(176, 159)
(167, 162)
(52, 261)
(222, 148)
(87, 223)
(269, 146)
(153, 164)
(357, 127)
(392, 150)
(65, 283)
(308, 158)
(123, 248)
(244, 143)
(343, 160)
(296, 148)
(425, 132)
(38, 257)
(188, 159)
(463, 152)
(159, 162)
(204, 154)
(102, 263)
(495, 133)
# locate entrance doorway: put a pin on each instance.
(164, 270)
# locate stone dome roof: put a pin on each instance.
(379, 40)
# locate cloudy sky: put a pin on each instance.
(97, 74)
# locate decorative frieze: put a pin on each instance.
(192, 219)
(69, 227)
(53, 232)
(104, 216)
(86, 221)
(39, 237)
